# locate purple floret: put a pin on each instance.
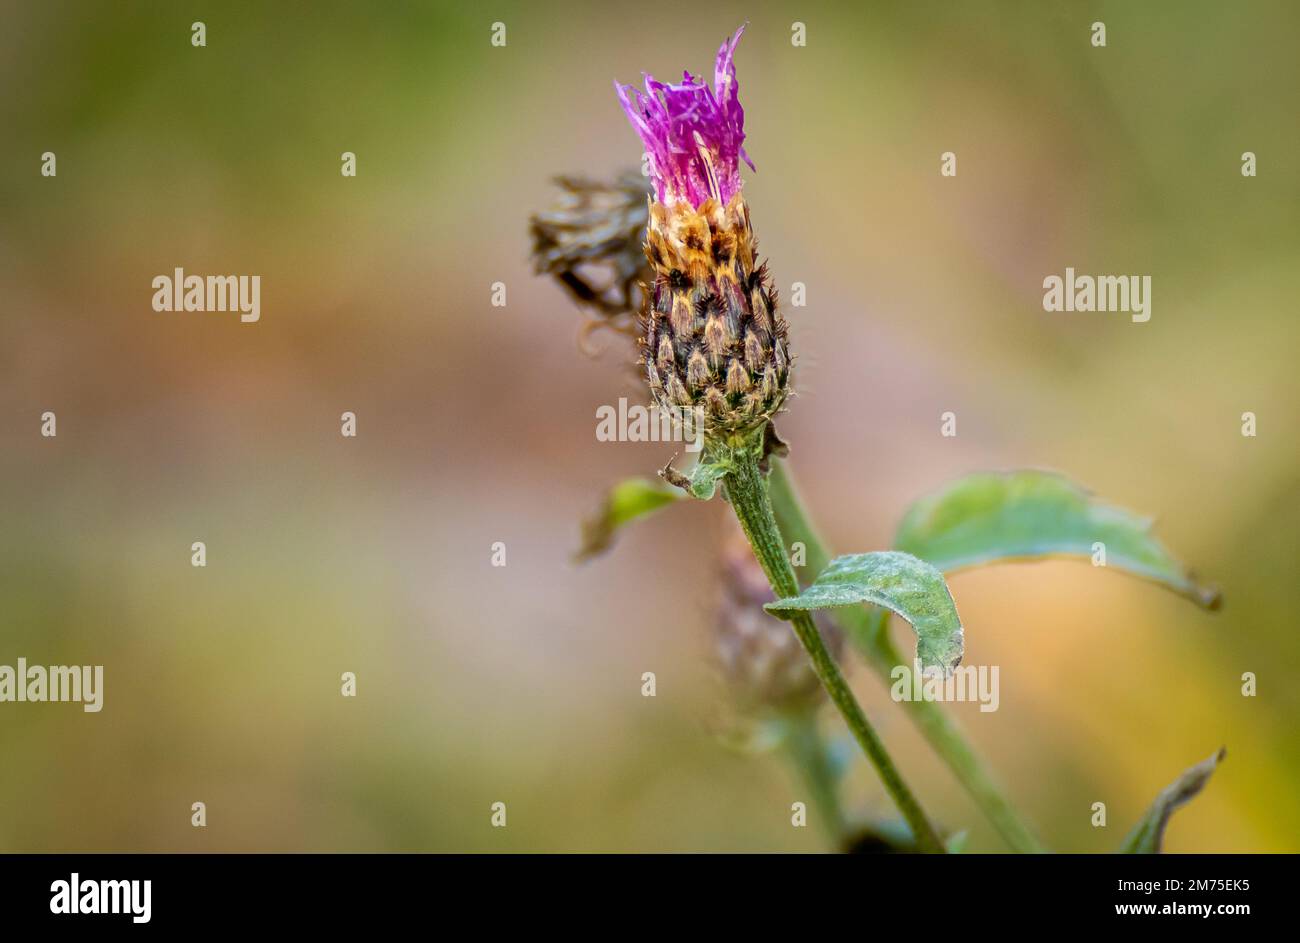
(674, 121)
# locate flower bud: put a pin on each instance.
(763, 662)
(591, 242)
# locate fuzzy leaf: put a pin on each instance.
(705, 478)
(895, 581)
(626, 501)
(1149, 834)
(1026, 515)
(702, 480)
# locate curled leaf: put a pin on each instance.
(895, 581)
(1027, 515)
(625, 502)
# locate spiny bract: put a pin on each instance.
(712, 338)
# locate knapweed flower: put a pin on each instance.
(712, 341)
(680, 123)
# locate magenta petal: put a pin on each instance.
(675, 121)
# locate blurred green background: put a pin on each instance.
(476, 424)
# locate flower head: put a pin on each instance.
(712, 342)
(693, 133)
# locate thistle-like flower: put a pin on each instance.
(712, 342)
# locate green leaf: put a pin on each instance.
(702, 480)
(705, 478)
(895, 581)
(1026, 515)
(1148, 835)
(626, 501)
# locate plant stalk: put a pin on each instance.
(748, 494)
(867, 629)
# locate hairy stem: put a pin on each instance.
(748, 494)
(867, 629)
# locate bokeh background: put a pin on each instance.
(476, 424)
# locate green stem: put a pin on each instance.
(868, 630)
(748, 494)
(811, 758)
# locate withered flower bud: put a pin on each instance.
(758, 654)
(591, 242)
